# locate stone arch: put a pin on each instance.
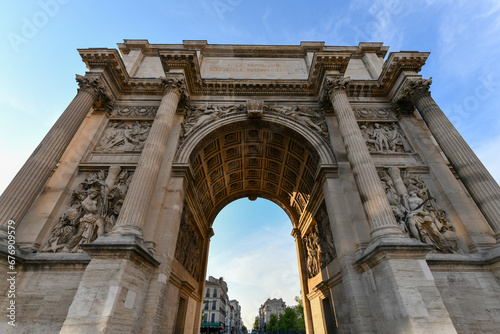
(274, 158)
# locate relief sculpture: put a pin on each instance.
(188, 249)
(94, 209)
(385, 138)
(124, 136)
(195, 117)
(319, 244)
(304, 115)
(417, 212)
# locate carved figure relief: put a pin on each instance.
(385, 138)
(94, 209)
(305, 115)
(319, 245)
(188, 249)
(195, 117)
(124, 136)
(417, 212)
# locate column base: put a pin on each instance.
(120, 244)
(401, 290)
(110, 297)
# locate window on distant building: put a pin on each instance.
(213, 317)
(214, 305)
(205, 317)
(208, 293)
(215, 292)
(206, 305)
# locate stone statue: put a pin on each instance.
(93, 210)
(416, 211)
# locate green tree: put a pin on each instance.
(256, 324)
(299, 309)
(272, 325)
(244, 329)
(288, 320)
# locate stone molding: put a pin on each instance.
(187, 60)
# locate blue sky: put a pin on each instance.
(38, 63)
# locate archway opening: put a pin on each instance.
(253, 251)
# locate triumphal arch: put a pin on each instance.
(396, 221)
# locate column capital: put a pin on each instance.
(94, 84)
(296, 233)
(334, 84)
(413, 89)
(176, 85)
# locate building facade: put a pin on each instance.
(215, 310)
(396, 221)
(235, 323)
(271, 306)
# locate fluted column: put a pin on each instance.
(303, 280)
(133, 214)
(377, 207)
(29, 181)
(483, 188)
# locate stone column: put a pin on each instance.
(483, 188)
(303, 280)
(133, 214)
(29, 181)
(379, 213)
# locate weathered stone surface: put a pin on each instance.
(245, 121)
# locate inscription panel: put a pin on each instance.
(254, 68)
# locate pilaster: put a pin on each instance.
(304, 287)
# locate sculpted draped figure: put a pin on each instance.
(319, 244)
(416, 211)
(94, 208)
(383, 138)
(304, 115)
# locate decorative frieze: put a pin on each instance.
(134, 111)
(94, 209)
(385, 137)
(416, 211)
(374, 113)
(122, 136)
(188, 250)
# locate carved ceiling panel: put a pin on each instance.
(253, 162)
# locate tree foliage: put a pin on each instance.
(256, 324)
(272, 325)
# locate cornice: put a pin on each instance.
(185, 58)
(399, 62)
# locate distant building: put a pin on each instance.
(215, 307)
(235, 322)
(219, 314)
(271, 306)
